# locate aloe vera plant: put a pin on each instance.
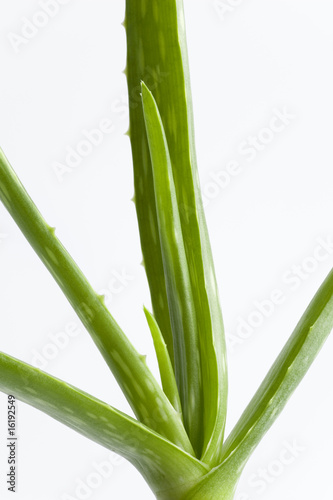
(177, 439)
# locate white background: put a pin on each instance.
(246, 62)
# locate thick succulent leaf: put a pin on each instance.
(157, 459)
(141, 389)
(166, 370)
(157, 54)
(178, 283)
(285, 375)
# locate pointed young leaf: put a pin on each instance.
(178, 283)
(157, 54)
(166, 370)
(141, 389)
(157, 459)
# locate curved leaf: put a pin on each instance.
(141, 389)
(157, 459)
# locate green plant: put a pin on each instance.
(177, 441)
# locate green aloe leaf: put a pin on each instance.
(286, 373)
(166, 370)
(283, 378)
(178, 283)
(141, 389)
(157, 54)
(157, 459)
